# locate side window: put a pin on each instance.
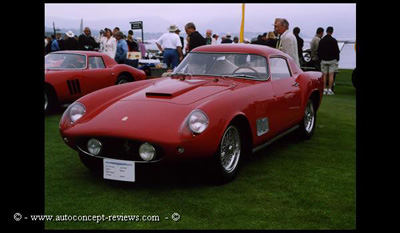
(279, 68)
(96, 63)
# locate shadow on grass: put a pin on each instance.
(190, 174)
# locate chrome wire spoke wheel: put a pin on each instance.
(230, 149)
(309, 117)
(46, 101)
(123, 81)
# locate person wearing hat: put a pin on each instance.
(70, 42)
(227, 39)
(171, 47)
(122, 48)
(196, 39)
(132, 44)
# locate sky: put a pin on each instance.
(221, 18)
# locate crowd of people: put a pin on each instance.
(113, 43)
(324, 49)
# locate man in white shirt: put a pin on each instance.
(170, 44)
(287, 42)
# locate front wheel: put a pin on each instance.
(50, 102)
(307, 126)
(226, 161)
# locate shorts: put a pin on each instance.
(329, 66)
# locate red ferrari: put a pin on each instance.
(220, 104)
(70, 75)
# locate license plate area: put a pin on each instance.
(121, 170)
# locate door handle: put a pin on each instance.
(295, 84)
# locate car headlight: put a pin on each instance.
(76, 111)
(147, 151)
(94, 146)
(198, 121)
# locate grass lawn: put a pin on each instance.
(291, 184)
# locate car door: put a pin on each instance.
(286, 90)
(97, 75)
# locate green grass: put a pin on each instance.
(291, 184)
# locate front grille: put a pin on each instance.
(117, 148)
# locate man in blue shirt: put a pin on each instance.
(54, 44)
(122, 48)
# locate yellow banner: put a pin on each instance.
(242, 26)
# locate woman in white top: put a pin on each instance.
(108, 44)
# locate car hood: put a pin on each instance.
(183, 91)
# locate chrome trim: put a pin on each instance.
(101, 157)
(275, 139)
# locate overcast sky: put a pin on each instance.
(219, 17)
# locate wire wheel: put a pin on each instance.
(230, 149)
(46, 101)
(309, 117)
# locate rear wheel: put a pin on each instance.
(122, 79)
(307, 126)
(227, 159)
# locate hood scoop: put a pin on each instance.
(172, 88)
(156, 95)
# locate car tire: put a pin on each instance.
(226, 161)
(92, 163)
(50, 102)
(122, 79)
(307, 125)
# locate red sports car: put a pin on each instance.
(221, 103)
(73, 74)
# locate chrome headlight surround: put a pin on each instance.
(76, 111)
(198, 121)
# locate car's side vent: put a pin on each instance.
(262, 126)
(74, 86)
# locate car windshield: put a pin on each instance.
(64, 61)
(248, 66)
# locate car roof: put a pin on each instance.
(240, 48)
(88, 53)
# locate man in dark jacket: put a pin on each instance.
(196, 39)
(328, 52)
(70, 43)
(300, 44)
(227, 39)
(86, 41)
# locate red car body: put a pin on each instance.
(156, 111)
(65, 85)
